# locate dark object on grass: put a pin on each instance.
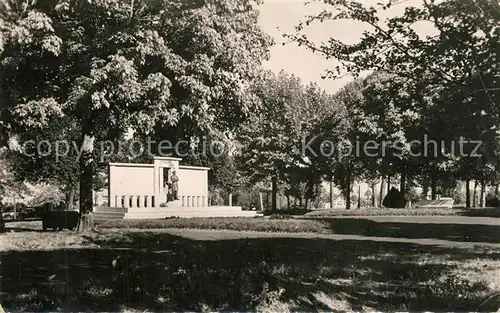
(492, 201)
(58, 220)
(394, 199)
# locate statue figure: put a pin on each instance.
(175, 185)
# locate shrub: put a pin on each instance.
(280, 217)
(247, 198)
(394, 199)
(287, 225)
(492, 200)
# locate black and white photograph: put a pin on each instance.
(249, 156)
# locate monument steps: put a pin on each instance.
(187, 214)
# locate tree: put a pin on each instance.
(273, 136)
(37, 160)
(46, 194)
(113, 65)
(452, 77)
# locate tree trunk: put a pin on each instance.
(267, 201)
(433, 186)
(381, 194)
(402, 183)
(474, 195)
(425, 188)
(359, 196)
(86, 182)
(71, 198)
(288, 202)
(481, 199)
(230, 199)
(388, 183)
(497, 190)
(15, 208)
(467, 193)
(348, 194)
(331, 193)
(261, 202)
(274, 190)
(374, 202)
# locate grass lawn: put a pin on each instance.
(288, 225)
(472, 212)
(163, 270)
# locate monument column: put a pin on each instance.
(156, 185)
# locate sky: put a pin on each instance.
(278, 17)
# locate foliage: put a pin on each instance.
(248, 198)
(492, 200)
(443, 86)
(272, 139)
(46, 194)
(112, 65)
(394, 199)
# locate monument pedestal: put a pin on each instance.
(174, 204)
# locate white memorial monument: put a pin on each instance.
(161, 189)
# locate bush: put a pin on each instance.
(394, 199)
(170, 217)
(10, 207)
(247, 198)
(492, 200)
(280, 216)
(459, 195)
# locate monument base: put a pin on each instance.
(174, 204)
(103, 213)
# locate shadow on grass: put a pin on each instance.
(480, 212)
(177, 274)
(451, 232)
